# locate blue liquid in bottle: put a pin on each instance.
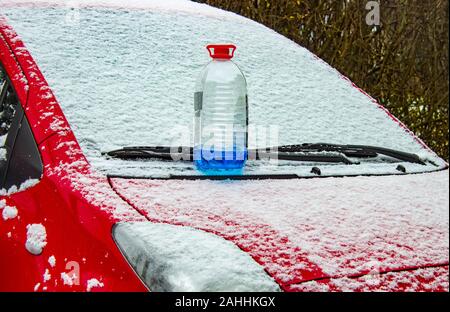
(221, 116)
(222, 160)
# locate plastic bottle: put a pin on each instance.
(221, 112)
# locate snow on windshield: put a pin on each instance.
(126, 78)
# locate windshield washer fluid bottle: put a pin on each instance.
(221, 113)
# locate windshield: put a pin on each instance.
(127, 78)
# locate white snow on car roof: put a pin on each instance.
(126, 78)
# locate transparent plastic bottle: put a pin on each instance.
(221, 112)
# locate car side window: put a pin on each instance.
(5, 121)
(19, 155)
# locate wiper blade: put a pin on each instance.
(298, 155)
(186, 154)
(152, 152)
(357, 151)
(307, 152)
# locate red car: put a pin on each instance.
(92, 96)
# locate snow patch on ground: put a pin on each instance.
(93, 282)
(36, 238)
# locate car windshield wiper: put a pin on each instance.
(357, 151)
(308, 152)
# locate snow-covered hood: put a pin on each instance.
(309, 229)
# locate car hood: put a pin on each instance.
(305, 230)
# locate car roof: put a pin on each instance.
(124, 75)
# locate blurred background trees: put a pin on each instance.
(403, 62)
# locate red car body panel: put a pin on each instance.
(78, 208)
(78, 225)
(418, 280)
(247, 219)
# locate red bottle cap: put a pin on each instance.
(221, 51)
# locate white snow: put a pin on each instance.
(23, 186)
(184, 6)
(36, 238)
(93, 282)
(2, 153)
(126, 77)
(3, 140)
(67, 279)
(2, 145)
(27, 184)
(52, 261)
(179, 258)
(420, 280)
(47, 276)
(36, 287)
(307, 228)
(9, 212)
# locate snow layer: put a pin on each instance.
(177, 258)
(424, 280)
(93, 282)
(2, 145)
(2, 153)
(184, 6)
(126, 77)
(67, 279)
(305, 229)
(36, 238)
(52, 261)
(9, 212)
(47, 276)
(14, 189)
(2, 140)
